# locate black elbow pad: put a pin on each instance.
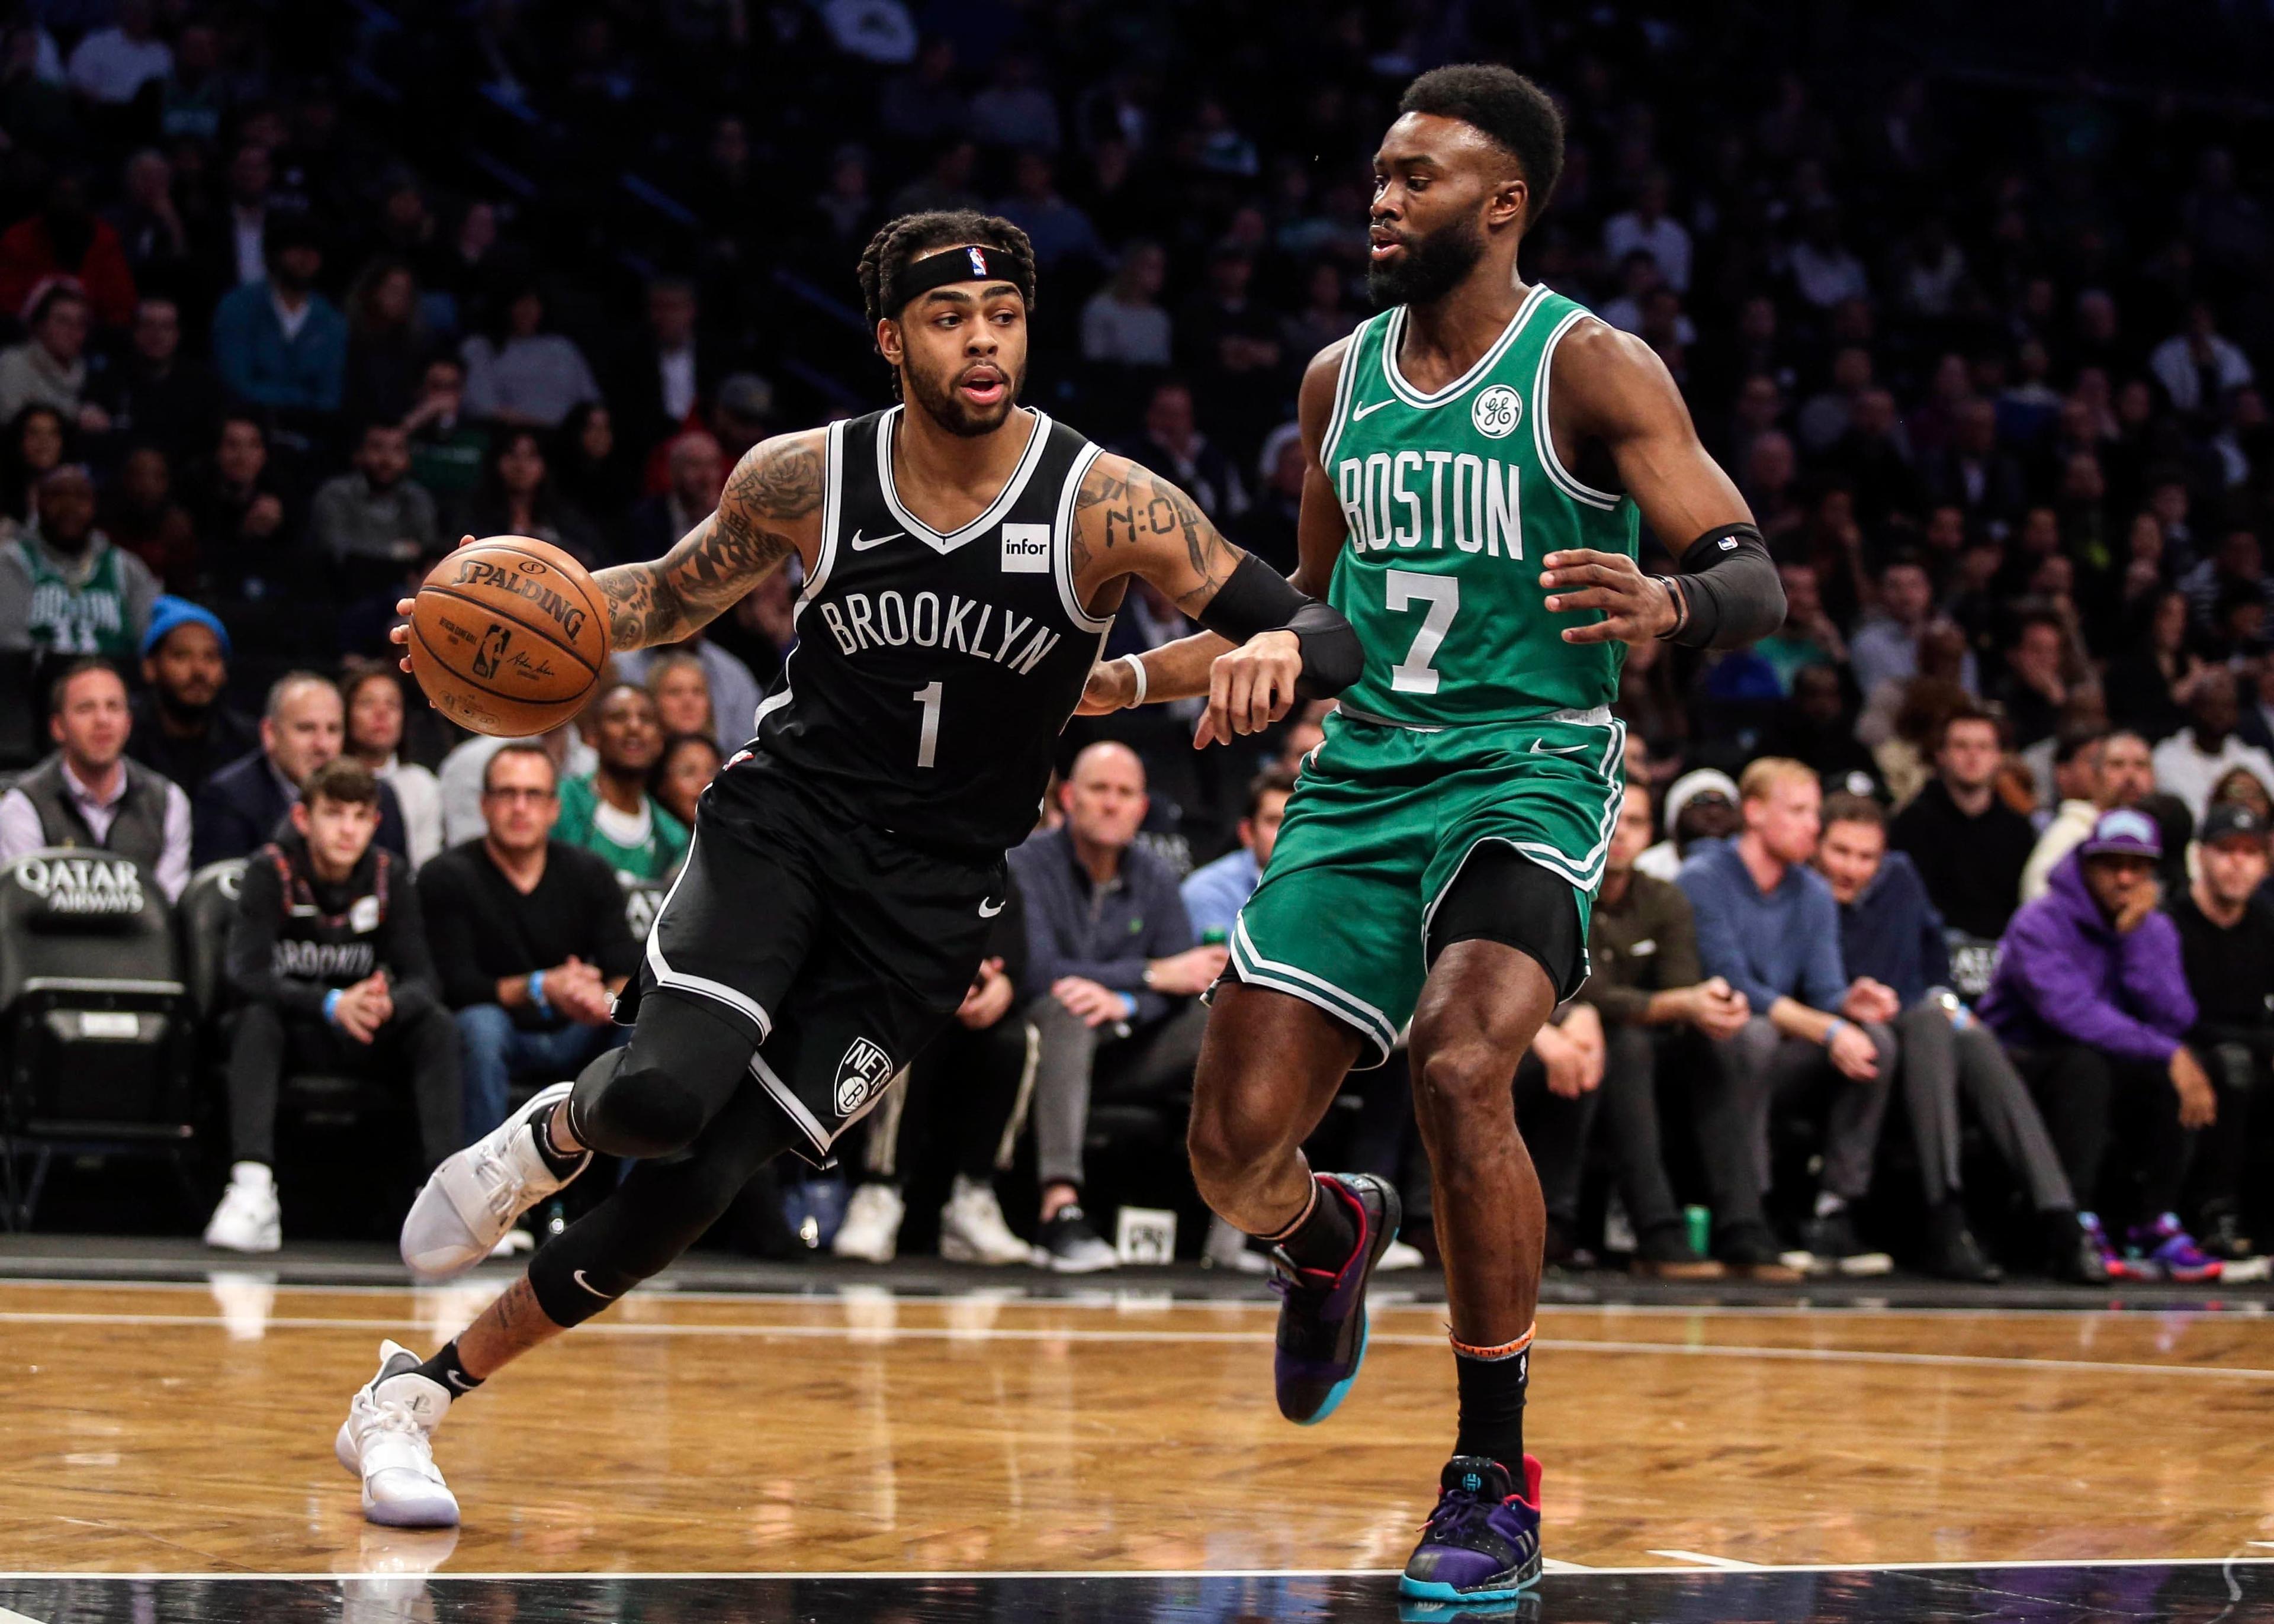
(1256, 599)
(1333, 658)
(1730, 590)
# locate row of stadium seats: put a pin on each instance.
(114, 1019)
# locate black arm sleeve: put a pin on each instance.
(1729, 585)
(1257, 598)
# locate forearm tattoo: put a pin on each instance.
(1176, 545)
(716, 563)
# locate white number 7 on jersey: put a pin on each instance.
(1414, 675)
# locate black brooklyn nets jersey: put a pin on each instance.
(934, 673)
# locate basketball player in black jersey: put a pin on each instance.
(963, 558)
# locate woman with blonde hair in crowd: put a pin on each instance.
(681, 691)
(374, 737)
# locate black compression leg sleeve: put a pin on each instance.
(662, 1208)
(686, 1060)
(1500, 895)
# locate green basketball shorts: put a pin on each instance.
(1381, 821)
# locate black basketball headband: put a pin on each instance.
(969, 263)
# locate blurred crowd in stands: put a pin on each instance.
(1932, 926)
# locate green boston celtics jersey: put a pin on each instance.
(1452, 498)
(86, 617)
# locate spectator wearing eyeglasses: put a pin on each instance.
(530, 939)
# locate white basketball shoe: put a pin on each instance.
(471, 1200)
(972, 1228)
(389, 1441)
(871, 1230)
(247, 1219)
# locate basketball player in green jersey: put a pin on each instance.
(1481, 454)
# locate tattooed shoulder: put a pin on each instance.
(777, 478)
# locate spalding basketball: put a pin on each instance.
(508, 636)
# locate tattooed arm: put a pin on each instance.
(1129, 521)
(770, 509)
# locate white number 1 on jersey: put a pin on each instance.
(1414, 675)
(928, 741)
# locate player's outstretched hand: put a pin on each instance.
(1634, 605)
(400, 636)
(1250, 687)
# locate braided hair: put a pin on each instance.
(899, 242)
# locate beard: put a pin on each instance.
(1431, 268)
(186, 705)
(937, 396)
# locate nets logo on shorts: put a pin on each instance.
(1497, 412)
(861, 1076)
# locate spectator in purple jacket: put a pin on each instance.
(2091, 998)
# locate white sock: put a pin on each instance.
(253, 1173)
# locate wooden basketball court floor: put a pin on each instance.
(165, 1454)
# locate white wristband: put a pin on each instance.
(1136, 663)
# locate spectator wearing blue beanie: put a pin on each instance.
(182, 728)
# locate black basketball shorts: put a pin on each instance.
(843, 948)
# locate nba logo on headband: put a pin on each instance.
(978, 262)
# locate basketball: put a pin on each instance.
(508, 636)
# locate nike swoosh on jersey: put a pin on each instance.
(861, 544)
(986, 912)
(1541, 748)
(1357, 412)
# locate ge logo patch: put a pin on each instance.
(861, 1076)
(1497, 411)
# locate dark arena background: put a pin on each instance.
(1970, 301)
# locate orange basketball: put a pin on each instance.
(508, 636)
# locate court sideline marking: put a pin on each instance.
(1703, 1561)
(840, 1576)
(1027, 1334)
(661, 1290)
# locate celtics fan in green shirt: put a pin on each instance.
(1483, 454)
